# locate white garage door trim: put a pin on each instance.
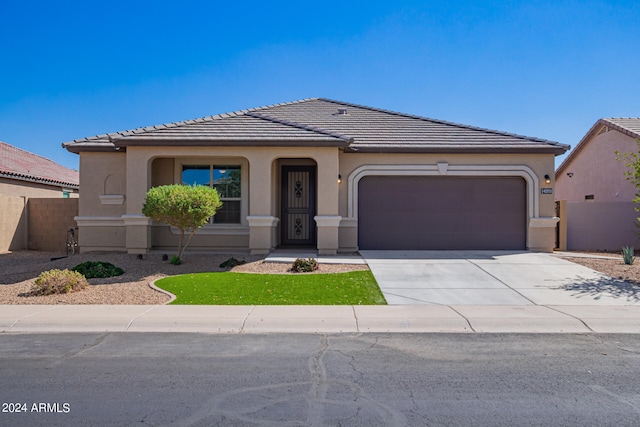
(523, 171)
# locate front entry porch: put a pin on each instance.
(285, 196)
(300, 194)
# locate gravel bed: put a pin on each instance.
(19, 269)
(615, 268)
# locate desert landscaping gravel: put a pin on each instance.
(615, 268)
(19, 269)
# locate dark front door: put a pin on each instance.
(298, 205)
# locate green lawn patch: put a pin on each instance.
(228, 288)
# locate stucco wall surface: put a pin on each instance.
(49, 221)
(590, 228)
(102, 174)
(30, 189)
(13, 225)
(595, 171)
(132, 173)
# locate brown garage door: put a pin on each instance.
(420, 212)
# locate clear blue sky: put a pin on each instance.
(549, 69)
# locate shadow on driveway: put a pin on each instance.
(604, 286)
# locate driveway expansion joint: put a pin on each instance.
(502, 281)
(244, 320)
(355, 317)
(573, 317)
(464, 317)
(13, 325)
(153, 307)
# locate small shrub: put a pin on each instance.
(175, 260)
(58, 282)
(231, 262)
(185, 207)
(93, 269)
(301, 265)
(628, 254)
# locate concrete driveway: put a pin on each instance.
(493, 278)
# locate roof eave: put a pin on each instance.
(583, 142)
(77, 147)
(458, 150)
(45, 181)
(629, 132)
(592, 133)
(246, 142)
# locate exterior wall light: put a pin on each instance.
(547, 179)
(339, 179)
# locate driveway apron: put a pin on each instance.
(493, 278)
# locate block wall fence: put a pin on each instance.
(36, 223)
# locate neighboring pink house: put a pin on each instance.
(25, 174)
(33, 214)
(597, 212)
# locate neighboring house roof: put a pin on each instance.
(629, 126)
(22, 165)
(322, 122)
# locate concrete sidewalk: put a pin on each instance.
(319, 319)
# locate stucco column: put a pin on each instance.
(542, 234)
(138, 226)
(262, 223)
(327, 219)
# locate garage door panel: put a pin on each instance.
(405, 212)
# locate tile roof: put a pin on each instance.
(323, 122)
(629, 126)
(22, 165)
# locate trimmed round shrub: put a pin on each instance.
(97, 269)
(58, 282)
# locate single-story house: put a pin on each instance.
(596, 199)
(325, 174)
(26, 174)
(26, 181)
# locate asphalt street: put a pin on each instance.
(73, 379)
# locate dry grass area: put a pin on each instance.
(19, 269)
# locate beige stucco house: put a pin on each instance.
(324, 174)
(26, 180)
(595, 196)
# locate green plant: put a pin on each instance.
(229, 288)
(302, 265)
(93, 269)
(185, 207)
(628, 254)
(58, 282)
(231, 262)
(632, 162)
(175, 260)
